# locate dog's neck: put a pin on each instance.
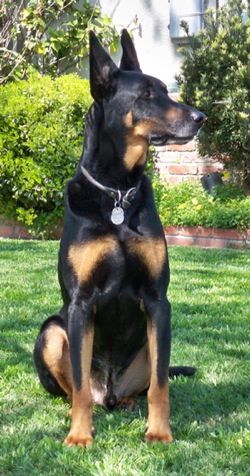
(114, 156)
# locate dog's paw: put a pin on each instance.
(128, 403)
(153, 437)
(78, 440)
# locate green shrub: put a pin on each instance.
(41, 136)
(216, 79)
(49, 35)
(188, 204)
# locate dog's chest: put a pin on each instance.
(146, 253)
(108, 254)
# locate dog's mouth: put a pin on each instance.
(158, 140)
(166, 139)
(180, 140)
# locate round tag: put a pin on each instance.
(117, 216)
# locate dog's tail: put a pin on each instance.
(180, 370)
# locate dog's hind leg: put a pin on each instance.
(51, 357)
(134, 380)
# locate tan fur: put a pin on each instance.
(128, 121)
(56, 357)
(158, 428)
(81, 426)
(152, 251)
(128, 403)
(174, 114)
(136, 151)
(144, 127)
(85, 257)
(135, 378)
(137, 142)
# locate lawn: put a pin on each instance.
(210, 413)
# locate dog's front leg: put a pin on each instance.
(159, 338)
(81, 335)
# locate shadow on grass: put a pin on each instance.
(196, 400)
(191, 401)
(15, 354)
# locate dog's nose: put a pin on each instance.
(198, 116)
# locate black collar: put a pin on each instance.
(123, 198)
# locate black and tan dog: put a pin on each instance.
(111, 340)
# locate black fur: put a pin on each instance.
(129, 108)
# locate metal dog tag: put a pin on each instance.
(117, 215)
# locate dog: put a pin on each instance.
(111, 340)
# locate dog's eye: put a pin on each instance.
(147, 94)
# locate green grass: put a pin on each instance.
(209, 413)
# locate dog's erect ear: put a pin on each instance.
(102, 70)
(129, 61)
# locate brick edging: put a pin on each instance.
(11, 229)
(176, 235)
(207, 237)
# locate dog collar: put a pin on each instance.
(122, 198)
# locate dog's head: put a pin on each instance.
(137, 101)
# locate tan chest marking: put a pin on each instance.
(85, 257)
(152, 251)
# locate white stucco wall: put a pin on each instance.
(148, 20)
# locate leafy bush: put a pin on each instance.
(41, 135)
(188, 204)
(216, 79)
(49, 35)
